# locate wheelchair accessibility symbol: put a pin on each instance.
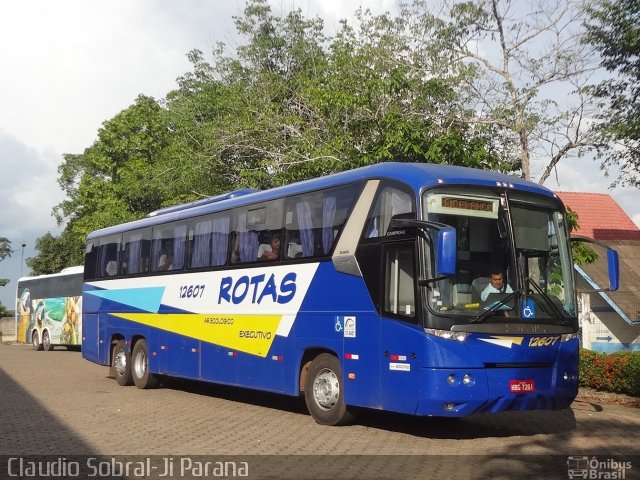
(529, 309)
(338, 324)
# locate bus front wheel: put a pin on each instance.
(35, 341)
(121, 363)
(142, 377)
(324, 392)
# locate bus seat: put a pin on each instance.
(294, 250)
(477, 286)
(111, 268)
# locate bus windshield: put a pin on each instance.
(513, 259)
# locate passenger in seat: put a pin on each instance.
(270, 251)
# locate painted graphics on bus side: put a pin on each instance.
(239, 309)
(59, 317)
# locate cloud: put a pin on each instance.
(29, 190)
(67, 66)
(75, 64)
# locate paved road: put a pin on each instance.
(57, 404)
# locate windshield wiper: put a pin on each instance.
(552, 307)
(496, 306)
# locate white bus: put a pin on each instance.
(49, 309)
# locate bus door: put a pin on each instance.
(90, 337)
(401, 337)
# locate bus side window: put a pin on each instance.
(245, 242)
(313, 221)
(135, 253)
(108, 253)
(169, 246)
(399, 289)
(305, 221)
(391, 202)
(220, 239)
(90, 260)
(208, 241)
(257, 230)
(202, 230)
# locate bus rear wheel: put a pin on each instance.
(324, 392)
(121, 363)
(142, 377)
(35, 341)
(46, 341)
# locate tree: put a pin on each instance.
(6, 313)
(56, 253)
(5, 251)
(287, 104)
(5, 248)
(121, 177)
(582, 253)
(522, 54)
(290, 104)
(613, 28)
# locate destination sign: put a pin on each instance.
(467, 204)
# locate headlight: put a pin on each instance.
(568, 337)
(447, 334)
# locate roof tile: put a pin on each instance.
(599, 216)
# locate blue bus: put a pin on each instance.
(371, 288)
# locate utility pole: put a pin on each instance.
(22, 244)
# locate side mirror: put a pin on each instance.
(614, 269)
(612, 260)
(446, 243)
(447, 250)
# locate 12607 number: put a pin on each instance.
(191, 291)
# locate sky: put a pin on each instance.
(66, 66)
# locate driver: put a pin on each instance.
(496, 285)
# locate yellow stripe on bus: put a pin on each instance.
(252, 334)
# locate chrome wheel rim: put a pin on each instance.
(326, 389)
(140, 364)
(120, 362)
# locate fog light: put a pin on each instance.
(451, 379)
(449, 406)
(467, 379)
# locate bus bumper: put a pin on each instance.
(461, 392)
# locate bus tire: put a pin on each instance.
(324, 392)
(121, 363)
(142, 377)
(46, 341)
(35, 341)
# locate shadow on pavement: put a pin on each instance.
(504, 424)
(29, 429)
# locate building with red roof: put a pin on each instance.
(599, 216)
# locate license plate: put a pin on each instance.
(522, 386)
